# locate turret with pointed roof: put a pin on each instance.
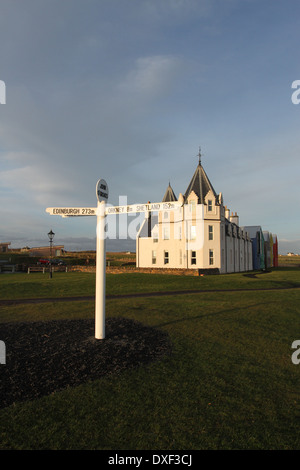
(169, 195)
(199, 183)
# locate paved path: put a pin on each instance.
(134, 295)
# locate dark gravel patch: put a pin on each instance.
(45, 357)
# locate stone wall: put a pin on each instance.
(132, 269)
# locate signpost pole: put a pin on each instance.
(101, 212)
(100, 273)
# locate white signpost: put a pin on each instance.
(102, 195)
(101, 211)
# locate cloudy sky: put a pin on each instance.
(127, 90)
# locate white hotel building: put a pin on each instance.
(201, 234)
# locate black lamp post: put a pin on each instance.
(51, 236)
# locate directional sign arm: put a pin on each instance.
(149, 207)
(110, 210)
(72, 211)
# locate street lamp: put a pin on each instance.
(51, 236)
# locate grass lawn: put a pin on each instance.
(229, 383)
(38, 285)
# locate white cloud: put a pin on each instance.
(177, 10)
(31, 175)
(152, 76)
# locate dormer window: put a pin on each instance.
(192, 205)
(209, 205)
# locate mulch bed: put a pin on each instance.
(45, 357)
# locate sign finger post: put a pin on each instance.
(101, 211)
(102, 195)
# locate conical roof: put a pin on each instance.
(169, 195)
(200, 184)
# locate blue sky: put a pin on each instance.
(127, 90)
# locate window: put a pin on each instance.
(153, 257)
(155, 237)
(193, 257)
(180, 256)
(179, 232)
(211, 257)
(210, 232)
(166, 233)
(192, 205)
(166, 257)
(209, 205)
(193, 232)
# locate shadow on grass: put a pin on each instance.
(276, 283)
(213, 314)
(257, 273)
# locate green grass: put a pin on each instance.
(38, 285)
(289, 260)
(22, 285)
(229, 384)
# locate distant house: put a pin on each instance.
(4, 247)
(44, 251)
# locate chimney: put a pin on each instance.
(234, 219)
(227, 212)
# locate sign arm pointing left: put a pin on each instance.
(72, 211)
